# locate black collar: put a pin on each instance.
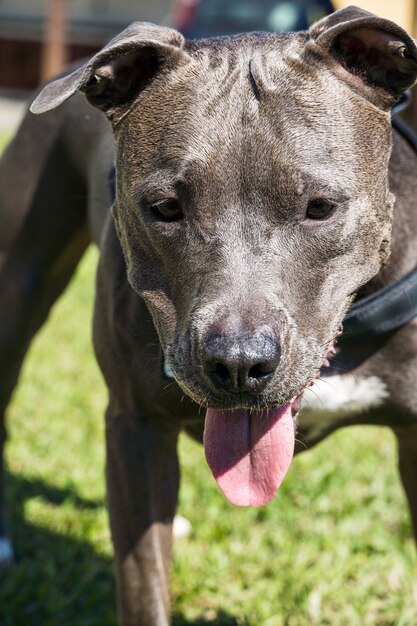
(382, 312)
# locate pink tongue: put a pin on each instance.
(249, 453)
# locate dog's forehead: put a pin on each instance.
(254, 99)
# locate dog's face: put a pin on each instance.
(252, 202)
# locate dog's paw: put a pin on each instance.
(181, 527)
(6, 553)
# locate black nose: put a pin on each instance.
(237, 363)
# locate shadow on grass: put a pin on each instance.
(23, 489)
(59, 579)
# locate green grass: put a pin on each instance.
(334, 548)
(4, 138)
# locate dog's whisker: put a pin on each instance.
(302, 443)
(310, 390)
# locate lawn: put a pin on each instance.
(334, 548)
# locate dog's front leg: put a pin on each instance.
(142, 482)
(407, 457)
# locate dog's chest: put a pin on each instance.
(332, 399)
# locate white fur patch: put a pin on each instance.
(168, 371)
(6, 552)
(334, 397)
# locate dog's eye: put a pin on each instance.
(167, 210)
(319, 209)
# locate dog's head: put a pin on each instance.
(252, 203)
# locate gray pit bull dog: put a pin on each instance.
(260, 189)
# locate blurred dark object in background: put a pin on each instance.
(36, 36)
(25, 25)
(209, 18)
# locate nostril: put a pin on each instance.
(220, 374)
(260, 370)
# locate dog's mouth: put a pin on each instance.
(250, 451)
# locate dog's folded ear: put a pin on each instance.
(114, 76)
(375, 56)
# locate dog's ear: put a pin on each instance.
(377, 57)
(114, 76)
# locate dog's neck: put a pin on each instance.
(403, 184)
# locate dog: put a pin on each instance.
(259, 192)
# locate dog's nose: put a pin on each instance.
(237, 364)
